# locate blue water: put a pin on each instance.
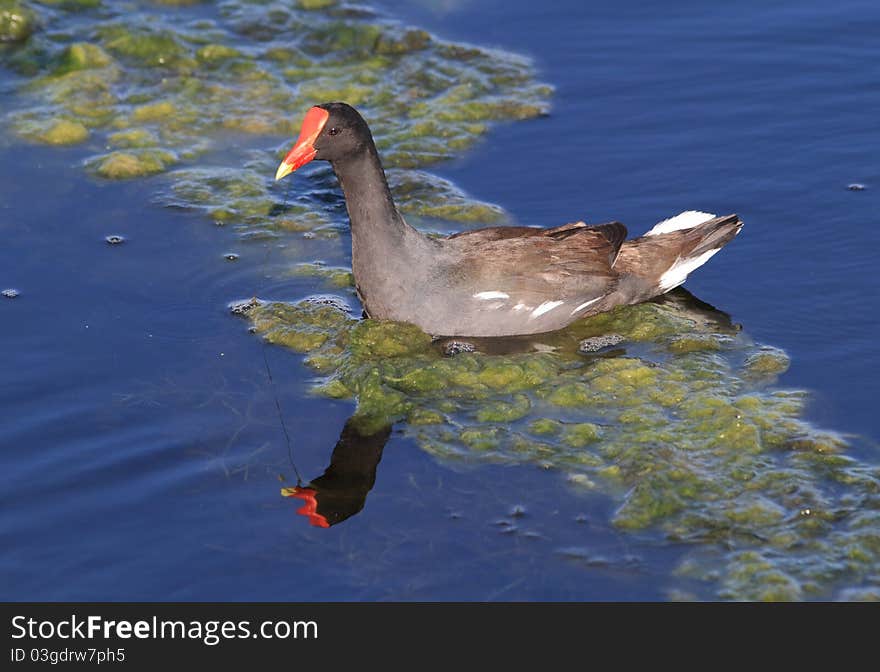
(140, 441)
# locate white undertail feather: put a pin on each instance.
(680, 270)
(686, 220)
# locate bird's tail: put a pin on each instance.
(663, 258)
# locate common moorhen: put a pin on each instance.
(497, 281)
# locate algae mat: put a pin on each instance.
(151, 91)
(681, 424)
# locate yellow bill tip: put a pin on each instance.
(284, 169)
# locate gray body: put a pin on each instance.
(499, 281)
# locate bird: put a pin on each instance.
(495, 281)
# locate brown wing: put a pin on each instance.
(589, 235)
(496, 233)
(536, 265)
(614, 234)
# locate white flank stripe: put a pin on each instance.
(544, 307)
(686, 220)
(486, 296)
(681, 269)
(584, 305)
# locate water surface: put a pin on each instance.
(142, 446)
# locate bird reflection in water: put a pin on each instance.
(341, 491)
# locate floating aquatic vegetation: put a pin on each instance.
(681, 428)
(425, 195)
(56, 132)
(333, 277)
(16, 21)
(161, 87)
(123, 165)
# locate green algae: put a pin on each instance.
(54, 131)
(144, 46)
(255, 68)
(420, 416)
(543, 427)
(125, 165)
(725, 459)
(65, 132)
(330, 276)
(580, 434)
(481, 439)
(316, 4)
(215, 53)
(137, 137)
(517, 407)
(374, 339)
(82, 56)
(17, 22)
(72, 5)
(176, 3)
(694, 344)
(767, 362)
(426, 195)
(307, 323)
(153, 111)
(689, 442)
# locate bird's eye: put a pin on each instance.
(334, 131)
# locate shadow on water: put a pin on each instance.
(341, 491)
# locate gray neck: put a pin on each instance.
(374, 218)
(386, 252)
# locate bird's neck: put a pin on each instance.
(387, 254)
(375, 222)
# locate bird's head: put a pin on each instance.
(330, 132)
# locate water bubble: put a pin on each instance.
(10, 293)
(856, 186)
(230, 256)
(114, 240)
